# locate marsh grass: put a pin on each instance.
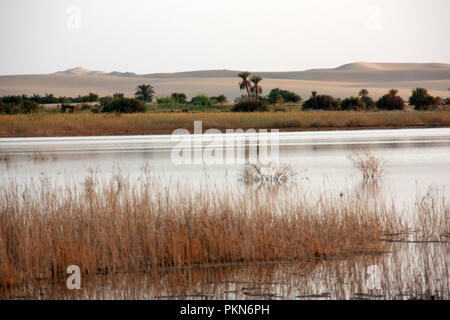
(371, 165)
(114, 226)
(85, 123)
(118, 226)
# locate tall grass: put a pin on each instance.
(116, 226)
(78, 124)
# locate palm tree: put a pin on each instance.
(256, 88)
(393, 92)
(145, 92)
(245, 83)
(364, 93)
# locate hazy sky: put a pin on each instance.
(145, 36)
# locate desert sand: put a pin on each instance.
(341, 82)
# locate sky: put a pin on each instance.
(147, 36)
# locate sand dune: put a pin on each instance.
(341, 82)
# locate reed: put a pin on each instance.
(115, 226)
(371, 166)
(79, 124)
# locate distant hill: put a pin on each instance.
(80, 71)
(352, 72)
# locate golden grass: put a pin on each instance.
(117, 226)
(86, 123)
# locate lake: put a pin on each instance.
(416, 159)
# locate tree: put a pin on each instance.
(179, 97)
(391, 101)
(321, 102)
(422, 100)
(118, 95)
(285, 95)
(125, 105)
(363, 93)
(256, 88)
(245, 83)
(368, 101)
(145, 92)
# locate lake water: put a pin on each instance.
(416, 159)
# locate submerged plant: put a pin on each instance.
(268, 173)
(6, 157)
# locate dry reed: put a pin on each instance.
(122, 227)
(106, 227)
(369, 164)
(79, 124)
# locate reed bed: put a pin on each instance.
(85, 123)
(114, 226)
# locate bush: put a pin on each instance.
(391, 101)
(124, 105)
(31, 107)
(321, 102)
(222, 98)
(246, 106)
(201, 100)
(179, 97)
(353, 103)
(9, 108)
(18, 104)
(288, 96)
(422, 100)
(166, 101)
(368, 101)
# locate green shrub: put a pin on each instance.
(166, 101)
(321, 102)
(288, 96)
(201, 100)
(123, 105)
(246, 106)
(18, 104)
(353, 103)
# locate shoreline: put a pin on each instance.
(103, 124)
(102, 133)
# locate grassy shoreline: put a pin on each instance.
(87, 124)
